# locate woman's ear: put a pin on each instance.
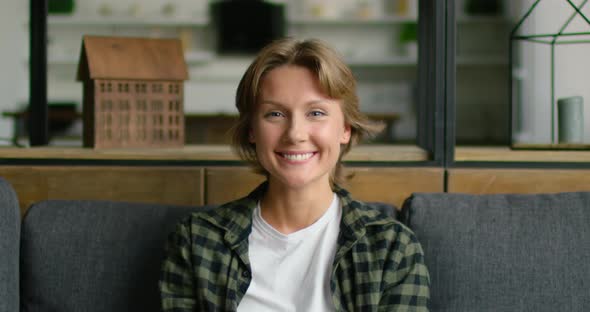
(346, 134)
(251, 137)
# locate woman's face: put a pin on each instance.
(297, 129)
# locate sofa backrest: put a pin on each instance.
(9, 247)
(504, 252)
(94, 255)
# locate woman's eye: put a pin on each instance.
(317, 113)
(274, 114)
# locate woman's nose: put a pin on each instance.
(296, 131)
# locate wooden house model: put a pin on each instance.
(133, 90)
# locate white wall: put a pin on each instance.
(572, 70)
(14, 42)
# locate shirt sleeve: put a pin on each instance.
(176, 281)
(406, 277)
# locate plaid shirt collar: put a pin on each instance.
(236, 220)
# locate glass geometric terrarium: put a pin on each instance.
(550, 63)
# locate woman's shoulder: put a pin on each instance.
(227, 216)
(234, 216)
(360, 212)
(380, 223)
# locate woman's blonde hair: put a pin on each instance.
(335, 79)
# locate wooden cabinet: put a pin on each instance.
(388, 185)
(163, 185)
(495, 181)
(191, 186)
(198, 185)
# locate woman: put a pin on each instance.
(298, 242)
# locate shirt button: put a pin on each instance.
(246, 274)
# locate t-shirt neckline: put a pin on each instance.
(319, 224)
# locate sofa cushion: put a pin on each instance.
(9, 247)
(94, 255)
(505, 252)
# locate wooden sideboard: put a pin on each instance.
(190, 186)
(197, 175)
(494, 181)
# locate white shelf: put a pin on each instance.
(478, 60)
(125, 21)
(191, 58)
(482, 19)
(97, 21)
(113, 21)
(381, 61)
(303, 21)
(203, 57)
(482, 60)
(200, 57)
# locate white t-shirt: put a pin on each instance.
(292, 272)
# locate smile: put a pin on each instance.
(297, 157)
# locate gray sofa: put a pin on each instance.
(9, 248)
(507, 252)
(484, 252)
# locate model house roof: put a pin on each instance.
(131, 58)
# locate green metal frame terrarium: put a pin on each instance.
(561, 37)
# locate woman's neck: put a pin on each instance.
(289, 210)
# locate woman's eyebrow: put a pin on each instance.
(271, 102)
(309, 103)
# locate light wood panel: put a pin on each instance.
(376, 152)
(166, 185)
(393, 185)
(190, 152)
(506, 154)
(199, 152)
(389, 185)
(494, 181)
(223, 184)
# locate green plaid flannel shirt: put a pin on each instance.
(378, 266)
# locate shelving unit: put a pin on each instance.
(482, 19)
(68, 21)
(386, 76)
(378, 21)
(191, 57)
(295, 23)
(481, 85)
(204, 57)
(121, 25)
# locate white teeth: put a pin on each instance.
(298, 157)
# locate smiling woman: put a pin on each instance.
(298, 242)
(297, 130)
(324, 73)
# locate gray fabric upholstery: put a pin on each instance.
(505, 252)
(9, 248)
(94, 255)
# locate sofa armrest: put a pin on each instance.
(9, 247)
